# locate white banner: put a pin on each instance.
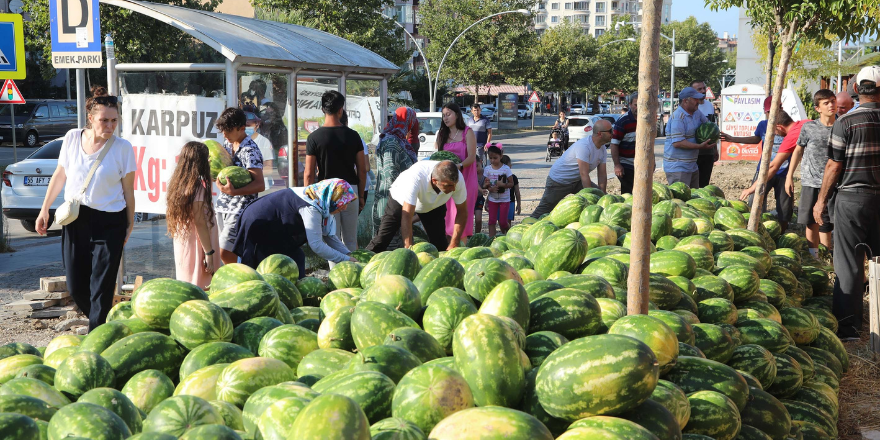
(158, 126)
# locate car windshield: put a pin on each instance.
(429, 126)
(607, 118)
(48, 151)
(20, 110)
(523, 107)
(577, 106)
(574, 122)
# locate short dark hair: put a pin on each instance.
(494, 150)
(823, 94)
(783, 118)
(505, 159)
(696, 81)
(231, 118)
(868, 88)
(475, 105)
(446, 171)
(332, 101)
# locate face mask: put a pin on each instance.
(249, 131)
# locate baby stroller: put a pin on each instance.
(555, 147)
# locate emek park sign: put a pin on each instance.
(742, 109)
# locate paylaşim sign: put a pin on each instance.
(740, 115)
(75, 26)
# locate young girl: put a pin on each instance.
(515, 197)
(497, 182)
(190, 217)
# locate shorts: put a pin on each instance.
(227, 225)
(809, 196)
(480, 202)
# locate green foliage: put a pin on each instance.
(491, 52)
(356, 21)
(706, 60)
(810, 59)
(562, 59)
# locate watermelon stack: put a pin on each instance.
(526, 334)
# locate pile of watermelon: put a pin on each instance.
(521, 337)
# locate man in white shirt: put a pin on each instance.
(571, 172)
(424, 189)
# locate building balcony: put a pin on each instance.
(541, 25)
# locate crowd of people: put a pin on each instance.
(838, 156)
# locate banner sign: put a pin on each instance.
(739, 117)
(158, 126)
(75, 26)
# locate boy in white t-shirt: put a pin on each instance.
(498, 183)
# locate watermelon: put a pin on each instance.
(34, 388)
(442, 272)
(532, 406)
(617, 214)
(663, 293)
(529, 275)
(265, 397)
(399, 262)
(248, 334)
(426, 247)
(197, 322)
(218, 157)
(568, 210)
(311, 424)
(773, 291)
(312, 290)
(178, 414)
(673, 399)
(274, 423)
(682, 329)
(654, 333)
(66, 340)
(212, 432)
(608, 234)
(371, 390)
(335, 300)
(707, 131)
(103, 336)
(701, 254)
(323, 362)
(591, 284)
(346, 274)
(288, 343)
(711, 286)
(116, 402)
(82, 372)
(395, 428)
(230, 275)
(655, 418)
(43, 373)
(570, 312)
(755, 360)
(238, 176)
(87, 420)
(713, 414)
(729, 218)
(563, 250)
(763, 257)
(537, 233)
(389, 360)
(144, 351)
(540, 344)
(155, 301)
(210, 354)
(810, 430)
(443, 315)
(395, 291)
(801, 324)
(486, 423)
(201, 383)
(538, 288)
(247, 300)
(673, 263)
(488, 357)
(820, 395)
(428, 394)
(825, 358)
(680, 191)
(483, 275)
(372, 321)
(27, 405)
(767, 413)
(567, 380)
(666, 242)
(806, 412)
(279, 264)
(611, 270)
(766, 333)
(743, 280)
(10, 366)
(789, 376)
(241, 378)
(612, 310)
(694, 374)
(717, 311)
(508, 298)
(418, 342)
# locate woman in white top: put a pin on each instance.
(91, 246)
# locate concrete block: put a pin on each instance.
(53, 284)
(25, 305)
(42, 294)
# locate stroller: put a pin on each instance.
(557, 146)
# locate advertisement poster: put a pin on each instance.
(158, 126)
(742, 107)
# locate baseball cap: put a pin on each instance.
(767, 103)
(690, 92)
(869, 73)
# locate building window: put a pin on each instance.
(541, 18)
(581, 6)
(600, 20)
(554, 6)
(599, 32)
(600, 7)
(554, 19)
(541, 5)
(568, 6)
(582, 18)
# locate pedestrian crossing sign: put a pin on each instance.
(11, 47)
(9, 94)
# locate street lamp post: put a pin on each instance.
(437, 76)
(671, 71)
(419, 48)
(617, 41)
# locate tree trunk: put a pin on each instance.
(771, 53)
(761, 191)
(476, 94)
(646, 131)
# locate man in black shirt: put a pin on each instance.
(336, 151)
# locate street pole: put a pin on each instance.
(431, 90)
(672, 77)
(80, 98)
(839, 60)
(14, 143)
(533, 115)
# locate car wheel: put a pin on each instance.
(31, 139)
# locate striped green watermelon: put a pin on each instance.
(667, 242)
(488, 357)
(104, 336)
(346, 274)
(372, 321)
(230, 413)
(274, 423)
(663, 293)
(701, 254)
(569, 379)
(210, 354)
(811, 430)
(201, 383)
(744, 238)
(336, 300)
(729, 218)
(612, 310)
(620, 428)
(371, 390)
(428, 394)
(820, 395)
(717, 311)
(312, 290)
(418, 342)
(610, 269)
(476, 253)
(743, 280)
(35, 388)
(147, 388)
(82, 372)
(570, 312)
(230, 275)
(532, 406)
(682, 329)
(673, 399)
(279, 264)
(537, 233)
(389, 360)
(178, 414)
(247, 300)
(801, 324)
(609, 199)
(235, 174)
(825, 358)
(40, 372)
(704, 226)
(241, 378)
(443, 315)
(755, 360)
(425, 247)
(323, 362)
(265, 397)
(395, 291)
(486, 423)
(155, 301)
(713, 414)
(563, 250)
(540, 344)
(711, 286)
(442, 272)
(766, 413)
(704, 206)
(53, 360)
(766, 310)
(680, 191)
(483, 275)
(399, 262)
(683, 227)
(751, 380)
(508, 298)
(144, 351)
(28, 406)
(311, 424)
(116, 402)
(655, 418)
(789, 376)
(218, 157)
(827, 341)
(766, 333)
(617, 214)
(197, 322)
(10, 366)
(695, 374)
(395, 428)
(714, 341)
(763, 257)
(121, 310)
(288, 343)
(568, 210)
(673, 263)
(773, 291)
(661, 226)
(87, 420)
(806, 412)
(15, 426)
(210, 432)
(654, 333)
(608, 233)
(248, 334)
(721, 242)
(591, 284)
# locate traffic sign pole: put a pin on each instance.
(534, 99)
(14, 144)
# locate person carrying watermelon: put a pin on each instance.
(681, 149)
(707, 158)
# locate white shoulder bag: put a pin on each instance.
(69, 210)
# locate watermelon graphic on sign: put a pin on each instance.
(748, 117)
(729, 118)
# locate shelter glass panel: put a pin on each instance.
(263, 97)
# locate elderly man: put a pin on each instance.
(623, 145)
(423, 189)
(853, 167)
(845, 103)
(681, 149)
(571, 172)
(707, 158)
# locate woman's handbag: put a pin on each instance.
(69, 210)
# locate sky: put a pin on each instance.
(721, 21)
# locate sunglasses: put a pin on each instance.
(105, 100)
(604, 131)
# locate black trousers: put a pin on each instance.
(434, 222)
(91, 249)
(627, 179)
(856, 235)
(705, 163)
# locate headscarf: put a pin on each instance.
(327, 196)
(402, 122)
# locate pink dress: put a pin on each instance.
(188, 255)
(471, 184)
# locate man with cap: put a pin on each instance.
(681, 149)
(853, 169)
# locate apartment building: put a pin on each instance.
(727, 44)
(594, 16)
(405, 12)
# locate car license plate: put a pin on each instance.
(36, 180)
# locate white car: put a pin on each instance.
(488, 110)
(25, 183)
(429, 124)
(524, 111)
(580, 127)
(577, 109)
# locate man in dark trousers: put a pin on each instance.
(853, 168)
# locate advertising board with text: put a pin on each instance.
(158, 126)
(742, 108)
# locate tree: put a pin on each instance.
(610, 68)
(138, 38)
(360, 22)
(706, 59)
(799, 21)
(809, 60)
(491, 52)
(561, 59)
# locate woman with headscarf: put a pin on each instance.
(281, 222)
(394, 154)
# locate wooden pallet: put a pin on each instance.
(118, 298)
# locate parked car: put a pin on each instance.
(488, 110)
(580, 127)
(577, 109)
(429, 124)
(25, 183)
(38, 119)
(524, 111)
